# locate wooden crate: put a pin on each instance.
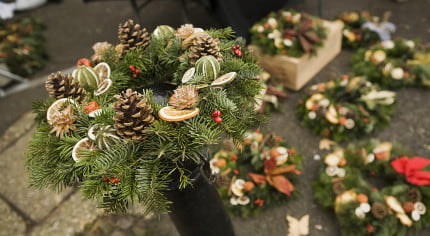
(293, 72)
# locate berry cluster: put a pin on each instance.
(216, 115)
(135, 70)
(237, 51)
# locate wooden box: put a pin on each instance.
(293, 72)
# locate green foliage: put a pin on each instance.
(130, 171)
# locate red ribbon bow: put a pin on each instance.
(412, 169)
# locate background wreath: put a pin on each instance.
(360, 207)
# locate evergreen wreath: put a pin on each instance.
(345, 108)
(394, 64)
(362, 209)
(287, 32)
(130, 138)
(354, 35)
(22, 45)
(260, 175)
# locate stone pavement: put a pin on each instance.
(26, 211)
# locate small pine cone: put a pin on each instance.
(133, 114)
(414, 195)
(184, 97)
(185, 31)
(204, 45)
(379, 210)
(338, 188)
(132, 36)
(64, 86)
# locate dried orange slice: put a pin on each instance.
(103, 71)
(57, 107)
(84, 143)
(103, 87)
(224, 79)
(188, 75)
(169, 113)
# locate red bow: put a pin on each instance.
(412, 169)
(274, 176)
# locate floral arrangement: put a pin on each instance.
(288, 33)
(354, 36)
(135, 120)
(22, 46)
(345, 108)
(259, 175)
(363, 209)
(270, 96)
(394, 64)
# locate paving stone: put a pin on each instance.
(10, 222)
(125, 222)
(70, 218)
(17, 130)
(117, 233)
(36, 203)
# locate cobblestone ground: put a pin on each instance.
(26, 211)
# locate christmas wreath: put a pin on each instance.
(258, 176)
(394, 64)
(288, 33)
(270, 96)
(361, 29)
(22, 46)
(345, 108)
(139, 121)
(363, 209)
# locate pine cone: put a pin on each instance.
(414, 195)
(62, 122)
(131, 36)
(379, 210)
(338, 188)
(133, 114)
(184, 97)
(204, 45)
(64, 86)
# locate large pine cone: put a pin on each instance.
(132, 36)
(204, 45)
(133, 114)
(64, 86)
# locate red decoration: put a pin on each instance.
(236, 172)
(233, 158)
(134, 70)
(218, 119)
(91, 106)
(237, 51)
(216, 113)
(84, 62)
(291, 152)
(412, 169)
(369, 228)
(259, 202)
(114, 180)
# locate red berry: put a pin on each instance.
(218, 119)
(239, 53)
(137, 71)
(83, 62)
(291, 152)
(238, 46)
(236, 172)
(132, 67)
(134, 75)
(216, 113)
